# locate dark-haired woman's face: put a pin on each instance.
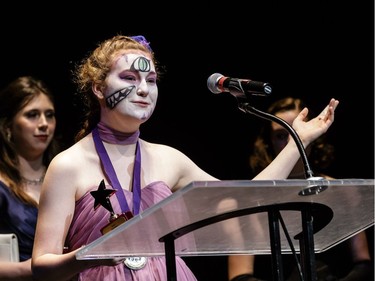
(279, 135)
(33, 127)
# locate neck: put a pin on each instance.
(32, 170)
(37, 181)
(110, 135)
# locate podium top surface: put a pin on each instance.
(344, 206)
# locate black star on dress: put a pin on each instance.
(102, 197)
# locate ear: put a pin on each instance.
(97, 90)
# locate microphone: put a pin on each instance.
(218, 83)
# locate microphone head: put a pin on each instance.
(212, 83)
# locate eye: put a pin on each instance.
(151, 80)
(32, 114)
(129, 78)
(282, 136)
(50, 114)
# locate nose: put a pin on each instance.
(142, 89)
(43, 123)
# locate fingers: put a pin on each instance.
(329, 111)
(334, 103)
(332, 107)
(303, 114)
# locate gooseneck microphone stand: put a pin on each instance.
(217, 83)
(306, 239)
(312, 189)
(245, 107)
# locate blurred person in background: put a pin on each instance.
(331, 265)
(27, 129)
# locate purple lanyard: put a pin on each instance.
(112, 177)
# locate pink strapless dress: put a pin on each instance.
(85, 228)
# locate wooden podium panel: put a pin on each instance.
(342, 208)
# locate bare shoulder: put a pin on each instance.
(73, 159)
(160, 155)
(166, 163)
(162, 150)
(73, 169)
(71, 156)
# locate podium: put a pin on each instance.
(208, 218)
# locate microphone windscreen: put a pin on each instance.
(212, 83)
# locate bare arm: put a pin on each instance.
(186, 170)
(16, 271)
(64, 267)
(240, 264)
(308, 131)
(57, 205)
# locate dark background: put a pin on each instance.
(315, 50)
(309, 49)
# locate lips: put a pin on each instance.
(43, 138)
(141, 103)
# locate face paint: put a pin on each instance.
(131, 87)
(141, 64)
(118, 96)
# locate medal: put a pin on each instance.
(135, 263)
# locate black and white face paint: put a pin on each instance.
(131, 86)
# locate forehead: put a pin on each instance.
(38, 102)
(287, 116)
(135, 60)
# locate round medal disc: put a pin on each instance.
(135, 262)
